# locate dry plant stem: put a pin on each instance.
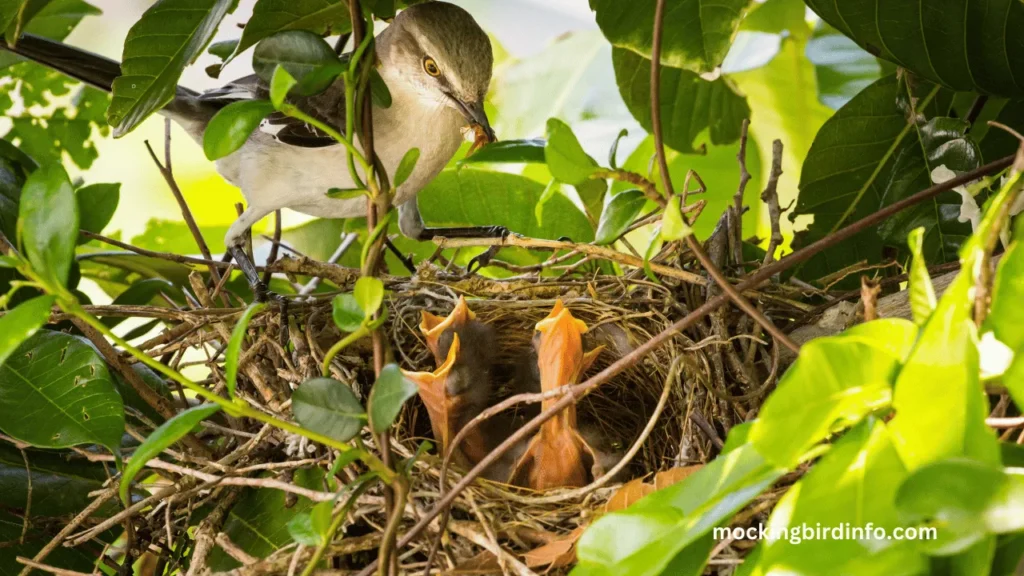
(208, 529)
(157, 402)
(71, 527)
(469, 531)
(691, 242)
(1005, 422)
(770, 197)
(30, 564)
(274, 247)
(736, 211)
(588, 249)
(749, 282)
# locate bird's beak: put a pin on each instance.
(474, 113)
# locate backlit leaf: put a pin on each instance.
(387, 397)
(49, 214)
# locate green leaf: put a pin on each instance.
(1006, 316)
(132, 399)
(20, 324)
(550, 191)
(234, 352)
(272, 16)
(49, 215)
(280, 84)
(8, 262)
(644, 538)
(96, 206)
(471, 197)
(622, 210)
(565, 157)
(225, 48)
(673, 225)
(939, 401)
(832, 494)
(842, 68)
(59, 486)
(369, 294)
(328, 407)
(697, 33)
(406, 166)
(301, 529)
(387, 397)
(232, 125)
(970, 52)
(380, 95)
(258, 522)
(869, 156)
(922, 294)
(965, 500)
(835, 382)
(161, 439)
(347, 312)
(11, 526)
(55, 392)
(52, 19)
(170, 35)
(509, 152)
(308, 58)
(689, 104)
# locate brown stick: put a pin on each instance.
(770, 197)
(736, 210)
(694, 245)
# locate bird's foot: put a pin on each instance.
(405, 260)
(482, 260)
(263, 294)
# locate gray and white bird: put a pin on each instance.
(436, 62)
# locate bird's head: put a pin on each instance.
(439, 51)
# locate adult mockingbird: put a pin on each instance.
(436, 62)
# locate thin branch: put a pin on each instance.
(274, 247)
(770, 197)
(736, 210)
(694, 245)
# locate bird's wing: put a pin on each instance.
(327, 107)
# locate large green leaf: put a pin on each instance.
(966, 45)
(696, 33)
(272, 16)
(170, 35)
(19, 324)
(834, 493)
(161, 439)
(59, 486)
(308, 58)
(565, 157)
(645, 538)
(1006, 316)
(873, 153)
(939, 401)
(96, 206)
(329, 407)
(387, 397)
(689, 103)
(470, 197)
(55, 392)
(258, 522)
(842, 68)
(622, 210)
(49, 215)
(835, 382)
(49, 18)
(965, 500)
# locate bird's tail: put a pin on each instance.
(95, 70)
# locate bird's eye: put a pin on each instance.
(431, 67)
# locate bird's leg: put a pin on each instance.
(405, 260)
(260, 291)
(411, 224)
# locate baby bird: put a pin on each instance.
(459, 389)
(559, 455)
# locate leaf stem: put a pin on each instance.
(340, 345)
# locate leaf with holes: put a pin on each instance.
(272, 16)
(161, 439)
(234, 352)
(387, 397)
(55, 392)
(49, 215)
(966, 45)
(21, 323)
(232, 125)
(690, 104)
(869, 156)
(328, 407)
(696, 33)
(169, 36)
